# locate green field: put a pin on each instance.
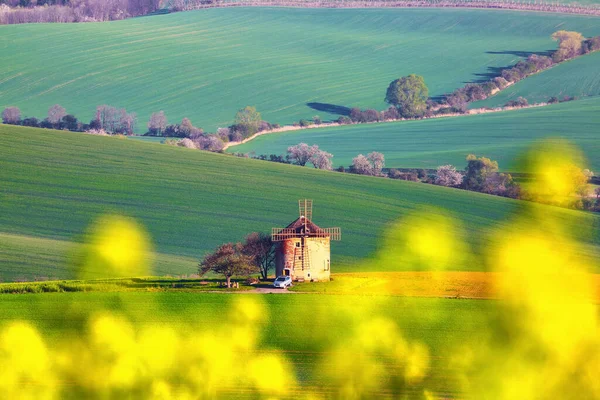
(555, 82)
(431, 143)
(207, 64)
(439, 324)
(54, 184)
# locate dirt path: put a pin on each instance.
(288, 128)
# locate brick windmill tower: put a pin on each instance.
(303, 248)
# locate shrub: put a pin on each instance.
(344, 120)
(391, 113)
(519, 102)
(447, 175)
(304, 123)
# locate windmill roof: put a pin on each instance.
(299, 224)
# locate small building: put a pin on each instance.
(303, 248)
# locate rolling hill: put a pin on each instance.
(207, 64)
(54, 184)
(431, 143)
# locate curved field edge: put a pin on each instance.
(574, 78)
(501, 136)
(276, 59)
(56, 183)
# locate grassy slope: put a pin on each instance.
(554, 82)
(430, 143)
(207, 64)
(304, 340)
(55, 183)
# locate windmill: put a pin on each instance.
(303, 248)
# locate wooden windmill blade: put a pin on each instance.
(281, 234)
(305, 208)
(333, 233)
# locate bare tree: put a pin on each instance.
(11, 115)
(157, 123)
(447, 175)
(302, 153)
(377, 161)
(322, 160)
(114, 120)
(127, 122)
(261, 249)
(56, 114)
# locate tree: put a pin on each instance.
(447, 175)
(56, 114)
(361, 165)
(157, 123)
(302, 153)
(69, 122)
(186, 127)
(569, 45)
(409, 95)
(261, 249)
(377, 161)
(126, 122)
(477, 171)
(11, 115)
(322, 160)
(228, 260)
(114, 120)
(247, 120)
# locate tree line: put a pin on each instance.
(63, 11)
(108, 120)
(113, 120)
(480, 174)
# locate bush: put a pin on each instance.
(304, 123)
(391, 113)
(519, 102)
(344, 120)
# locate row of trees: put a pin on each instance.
(570, 45)
(36, 11)
(248, 121)
(108, 118)
(255, 255)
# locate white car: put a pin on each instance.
(283, 282)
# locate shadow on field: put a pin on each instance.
(493, 72)
(523, 54)
(329, 108)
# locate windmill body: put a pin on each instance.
(303, 248)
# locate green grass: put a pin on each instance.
(207, 64)
(431, 143)
(557, 81)
(439, 324)
(54, 184)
